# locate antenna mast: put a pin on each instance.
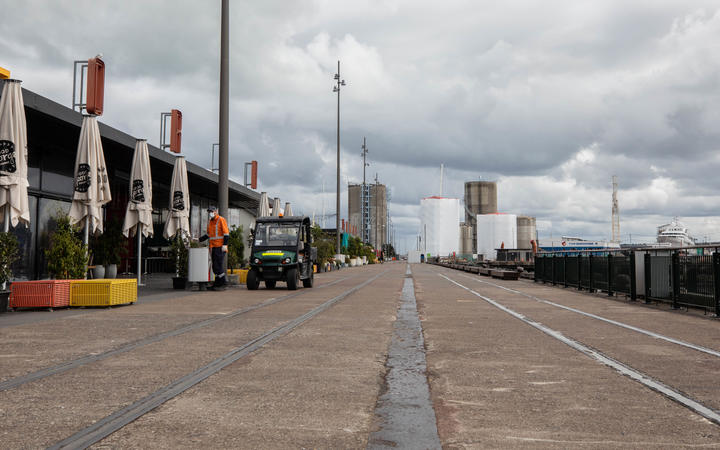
(615, 212)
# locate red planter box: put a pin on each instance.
(40, 294)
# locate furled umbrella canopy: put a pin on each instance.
(178, 220)
(139, 208)
(276, 207)
(13, 155)
(287, 212)
(91, 186)
(264, 207)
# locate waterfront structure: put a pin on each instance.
(526, 232)
(566, 243)
(370, 208)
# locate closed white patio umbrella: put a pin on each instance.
(178, 220)
(276, 207)
(264, 207)
(13, 157)
(138, 217)
(91, 186)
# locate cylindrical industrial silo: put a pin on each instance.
(440, 225)
(480, 198)
(495, 231)
(466, 239)
(526, 232)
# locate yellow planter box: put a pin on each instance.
(243, 275)
(103, 292)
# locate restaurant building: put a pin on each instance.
(53, 131)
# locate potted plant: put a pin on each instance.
(179, 253)
(114, 246)
(8, 255)
(67, 256)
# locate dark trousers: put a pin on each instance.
(218, 265)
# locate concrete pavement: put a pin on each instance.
(494, 381)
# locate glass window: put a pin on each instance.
(34, 170)
(58, 172)
(195, 220)
(277, 234)
(24, 267)
(48, 211)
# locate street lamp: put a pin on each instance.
(364, 196)
(339, 82)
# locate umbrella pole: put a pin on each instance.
(139, 253)
(6, 227)
(86, 236)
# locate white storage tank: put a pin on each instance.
(440, 225)
(495, 231)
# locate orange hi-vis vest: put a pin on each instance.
(217, 229)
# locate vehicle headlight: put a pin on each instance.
(256, 261)
(286, 261)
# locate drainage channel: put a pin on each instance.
(91, 358)
(405, 413)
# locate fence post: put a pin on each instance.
(633, 277)
(579, 271)
(552, 261)
(591, 288)
(535, 269)
(675, 277)
(610, 274)
(565, 260)
(716, 281)
(648, 277)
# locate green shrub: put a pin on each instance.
(8, 255)
(236, 248)
(67, 256)
(325, 245)
(179, 254)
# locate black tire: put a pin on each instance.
(308, 282)
(292, 279)
(269, 284)
(252, 281)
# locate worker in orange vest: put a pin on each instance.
(219, 235)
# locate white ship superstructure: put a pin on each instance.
(674, 234)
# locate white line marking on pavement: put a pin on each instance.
(699, 348)
(688, 402)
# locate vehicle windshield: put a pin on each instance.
(276, 234)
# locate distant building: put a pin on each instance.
(368, 213)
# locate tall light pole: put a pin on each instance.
(224, 108)
(339, 82)
(363, 197)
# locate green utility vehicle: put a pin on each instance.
(282, 251)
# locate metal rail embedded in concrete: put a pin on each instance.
(624, 369)
(662, 337)
(87, 359)
(104, 427)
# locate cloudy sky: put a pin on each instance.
(549, 98)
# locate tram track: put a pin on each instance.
(92, 358)
(617, 323)
(117, 420)
(621, 367)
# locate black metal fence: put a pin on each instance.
(672, 276)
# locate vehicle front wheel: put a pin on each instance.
(293, 276)
(308, 282)
(252, 280)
